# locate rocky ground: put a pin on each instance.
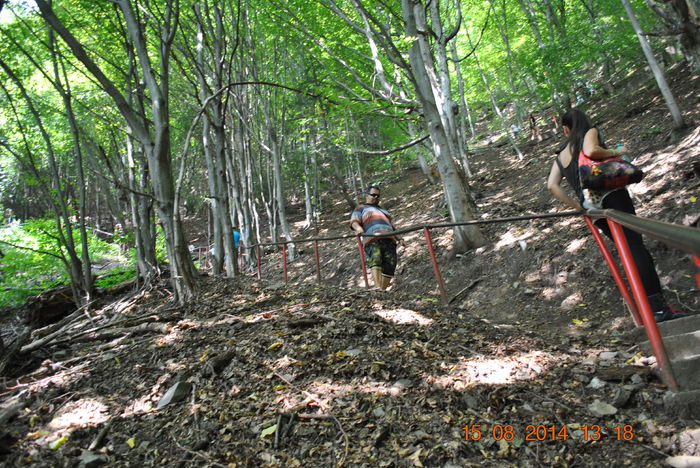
(531, 364)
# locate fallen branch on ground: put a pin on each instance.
(469, 286)
(48, 340)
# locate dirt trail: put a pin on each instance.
(534, 358)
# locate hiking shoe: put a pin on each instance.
(668, 313)
(662, 310)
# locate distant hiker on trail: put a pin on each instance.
(236, 237)
(583, 137)
(514, 130)
(534, 128)
(380, 252)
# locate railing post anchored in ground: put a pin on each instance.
(318, 264)
(257, 247)
(284, 261)
(362, 260)
(647, 315)
(614, 270)
(436, 268)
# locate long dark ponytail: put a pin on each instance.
(579, 124)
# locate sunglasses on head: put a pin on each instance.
(373, 195)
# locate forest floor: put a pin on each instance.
(533, 348)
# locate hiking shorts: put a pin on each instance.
(382, 254)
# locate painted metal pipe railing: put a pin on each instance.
(615, 271)
(426, 229)
(362, 259)
(436, 268)
(657, 342)
(680, 237)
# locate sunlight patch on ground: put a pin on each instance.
(325, 395)
(174, 366)
(284, 362)
(403, 316)
(572, 301)
(61, 379)
(576, 245)
(551, 293)
(74, 414)
(253, 318)
(167, 339)
(81, 413)
(485, 371)
(567, 222)
(511, 237)
(139, 406)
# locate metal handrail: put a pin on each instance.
(681, 237)
(429, 226)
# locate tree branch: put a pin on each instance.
(80, 53)
(394, 150)
(481, 36)
(32, 250)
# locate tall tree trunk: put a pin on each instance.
(156, 145)
(422, 162)
(280, 200)
(62, 85)
(463, 110)
(136, 167)
(308, 185)
(57, 196)
(497, 109)
(429, 95)
(608, 64)
(678, 122)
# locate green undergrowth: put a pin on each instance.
(115, 276)
(31, 260)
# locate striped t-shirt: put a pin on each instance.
(373, 220)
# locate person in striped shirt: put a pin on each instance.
(380, 251)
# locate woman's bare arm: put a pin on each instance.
(554, 186)
(592, 148)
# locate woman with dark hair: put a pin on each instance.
(582, 137)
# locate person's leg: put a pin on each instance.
(377, 277)
(621, 201)
(388, 262)
(373, 261)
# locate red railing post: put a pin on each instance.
(362, 260)
(257, 247)
(284, 261)
(436, 268)
(657, 343)
(696, 259)
(614, 270)
(318, 264)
